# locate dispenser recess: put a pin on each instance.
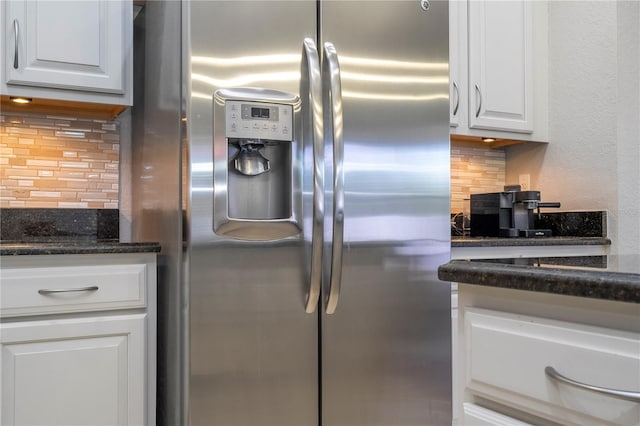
(257, 185)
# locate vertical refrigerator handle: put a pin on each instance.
(332, 99)
(311, 94)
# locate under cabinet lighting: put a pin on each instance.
(19, 100)
(488, 140)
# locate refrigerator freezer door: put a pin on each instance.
(386, 349)
(253, 356)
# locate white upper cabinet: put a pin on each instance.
(68, 50)
(458, 63)
(498, 69)
(500, 65)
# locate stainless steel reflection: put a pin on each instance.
(243, 341)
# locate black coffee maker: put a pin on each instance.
(507, 214)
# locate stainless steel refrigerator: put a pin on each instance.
(292, 157)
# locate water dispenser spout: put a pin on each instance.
(250, 161)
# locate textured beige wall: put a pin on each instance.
(592, 161)
(475, 170)
(58, 162)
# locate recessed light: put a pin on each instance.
(488, 140)
(19, 100)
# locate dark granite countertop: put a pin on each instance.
(64, 231)
(15, 248)
(512, 242)
(602, 277)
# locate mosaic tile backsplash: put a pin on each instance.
(49, 161)
(475, 170)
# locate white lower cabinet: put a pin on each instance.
(508, 339)
(85, 371)
(90, 363)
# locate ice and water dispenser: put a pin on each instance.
(257, 164)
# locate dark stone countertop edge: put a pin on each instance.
(615, 286)
(19, 249)
(513, 242)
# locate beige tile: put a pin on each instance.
(475, 170)
(41, 163)
(73, 205)
(50, 160)
(74, 165)
(38, 194)
(16, 173)
(41, 204)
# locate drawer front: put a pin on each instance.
(33, 291)
(474, 415)
(508, 354)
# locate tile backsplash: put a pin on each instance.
(475, 170)
(50, 161)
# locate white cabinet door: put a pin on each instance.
(458, 63)
(66, 44)
(80, 371)
(500, 65)
(67, 50)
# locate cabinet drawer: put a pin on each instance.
(508, 354)
(31, 291)
(479, 416)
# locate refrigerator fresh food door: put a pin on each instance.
(386, 347)
(253, 353)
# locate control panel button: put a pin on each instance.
(259, 120)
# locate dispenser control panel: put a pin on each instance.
(258, 120)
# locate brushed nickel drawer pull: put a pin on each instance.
(46, 291)
(614, 393)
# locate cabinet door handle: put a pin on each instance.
(457, 92)
(46, 291)
(614, 393)
(15, 48)
(479, 99)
